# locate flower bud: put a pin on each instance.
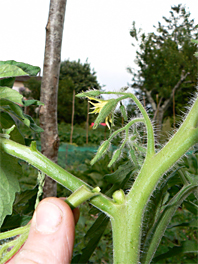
(119, 196)
(123, 112)
(116, 155)
(89, 93)
(102, 149)
(96, 190)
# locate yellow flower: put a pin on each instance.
(108, 119)
(97, 108)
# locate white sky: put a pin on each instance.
(94, 29)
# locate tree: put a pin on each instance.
(74, 78)
(49, 87)
(166, 64)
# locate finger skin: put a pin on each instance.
(46, 243)
(76, 211)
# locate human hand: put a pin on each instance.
(51, 236)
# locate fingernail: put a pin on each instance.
(48, 217)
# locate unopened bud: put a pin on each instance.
(116, 155)
(133, 137)
(123, 112)
(89, 93)
(102, 149)
(33, 146)
(96, 190)
(119, 196)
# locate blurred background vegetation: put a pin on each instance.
(164, 58)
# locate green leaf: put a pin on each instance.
(6, 122)
(13, 109)
(194, 223)
(186, 247)
(27, 68)
(93, 234)
(11, 95)
(33, 125)
(194, 41)
(156, 232)
(9, 82)
(192, 207)
(9, 185)
(25, 201)
(15, 221)
(119, 175)
(7, 71)
(32, 102)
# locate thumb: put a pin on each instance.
(51, 236)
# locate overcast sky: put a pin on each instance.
(97, 30)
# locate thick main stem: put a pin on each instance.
(153, 169)
(126, 227)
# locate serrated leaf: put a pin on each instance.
(27, 68)
(9, 184)
(11, 95)
(7, 71)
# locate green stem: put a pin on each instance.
(81, 195)
(150, 134)
(136, 120)
(8, 249)
(123, 237)
(152, 170)
(14, 232)
(39, 161)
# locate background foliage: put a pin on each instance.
(163, 57)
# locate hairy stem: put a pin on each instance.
(149, 127)
(153, 169)
(39, 161)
